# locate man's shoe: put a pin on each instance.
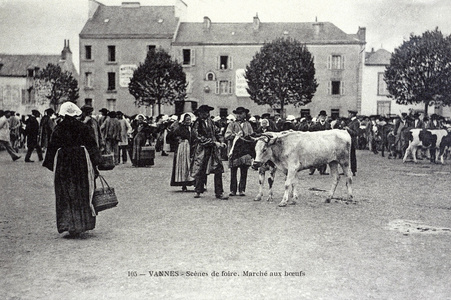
(222, 197)
(242, 194)
(27, 160)
(197, 195)
(324, 173)
(311, 172)
(14, 159)
(164, 154)
(232, 194)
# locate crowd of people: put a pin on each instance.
(74, 140)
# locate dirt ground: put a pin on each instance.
(393, 244)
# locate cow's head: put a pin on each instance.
(263, 151)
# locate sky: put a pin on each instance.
(41, 26)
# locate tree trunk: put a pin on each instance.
(159, 106)
(282, 115)
(426, 105)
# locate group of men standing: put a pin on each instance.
(208, 142)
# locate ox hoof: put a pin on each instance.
(282, 204)
(257, 199)
(270, 199)
(292, 203)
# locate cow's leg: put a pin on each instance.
(272, 175)
(336, 177)
(348, 174)
(407, 154)
(288, 187)
(261, 181)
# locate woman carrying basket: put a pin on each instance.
(73, 155)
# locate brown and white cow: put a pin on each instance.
(295, 151)
(432, 139)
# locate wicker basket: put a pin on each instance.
(104, 197)
(107, 162)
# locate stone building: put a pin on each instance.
(115, 40)
(16, 79)
(215, 55)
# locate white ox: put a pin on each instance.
(432, 139)
(294, 151)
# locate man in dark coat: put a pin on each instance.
(32, 134)
(206, 158)
(353, 128)
(321, 124)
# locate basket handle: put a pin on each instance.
(102, 181)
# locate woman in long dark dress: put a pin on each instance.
(73, 155)
(141, 133)
(182, 155)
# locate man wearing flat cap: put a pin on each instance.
(353, 128)
(103, 116)
(46, 127)
(86, 117)
(235, 134)
(206, 159)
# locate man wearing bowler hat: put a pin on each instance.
(239, 128)
(321, 124)
(206, 158)
(353, 128)
(32, 133)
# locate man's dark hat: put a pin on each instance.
(87, 108)
(35, 112)
(352, 112)
(240, 110)
(119, 113)
(112, 114)
(308, 117)
(104, 110)
(323, 113)
(265, 116)
(204, 108)
(416, 115)
(435, 117)
(50, 111)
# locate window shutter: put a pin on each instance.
(342, 86)
(329, 88)
(193, 57)
(230, 87)
(180, 55)
(217, 87)
(230, 62)
(329, 62)
(342, 62)
(218, 62)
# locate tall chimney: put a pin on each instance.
(361, 34)
(207, 23)
(256, 23)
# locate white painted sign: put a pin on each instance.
(125, 73)
(240, 83)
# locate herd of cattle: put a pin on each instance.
(294, 151)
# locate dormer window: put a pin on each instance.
(210, 76)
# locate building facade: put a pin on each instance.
(113, 42)
(17, 91)
(214, 56)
